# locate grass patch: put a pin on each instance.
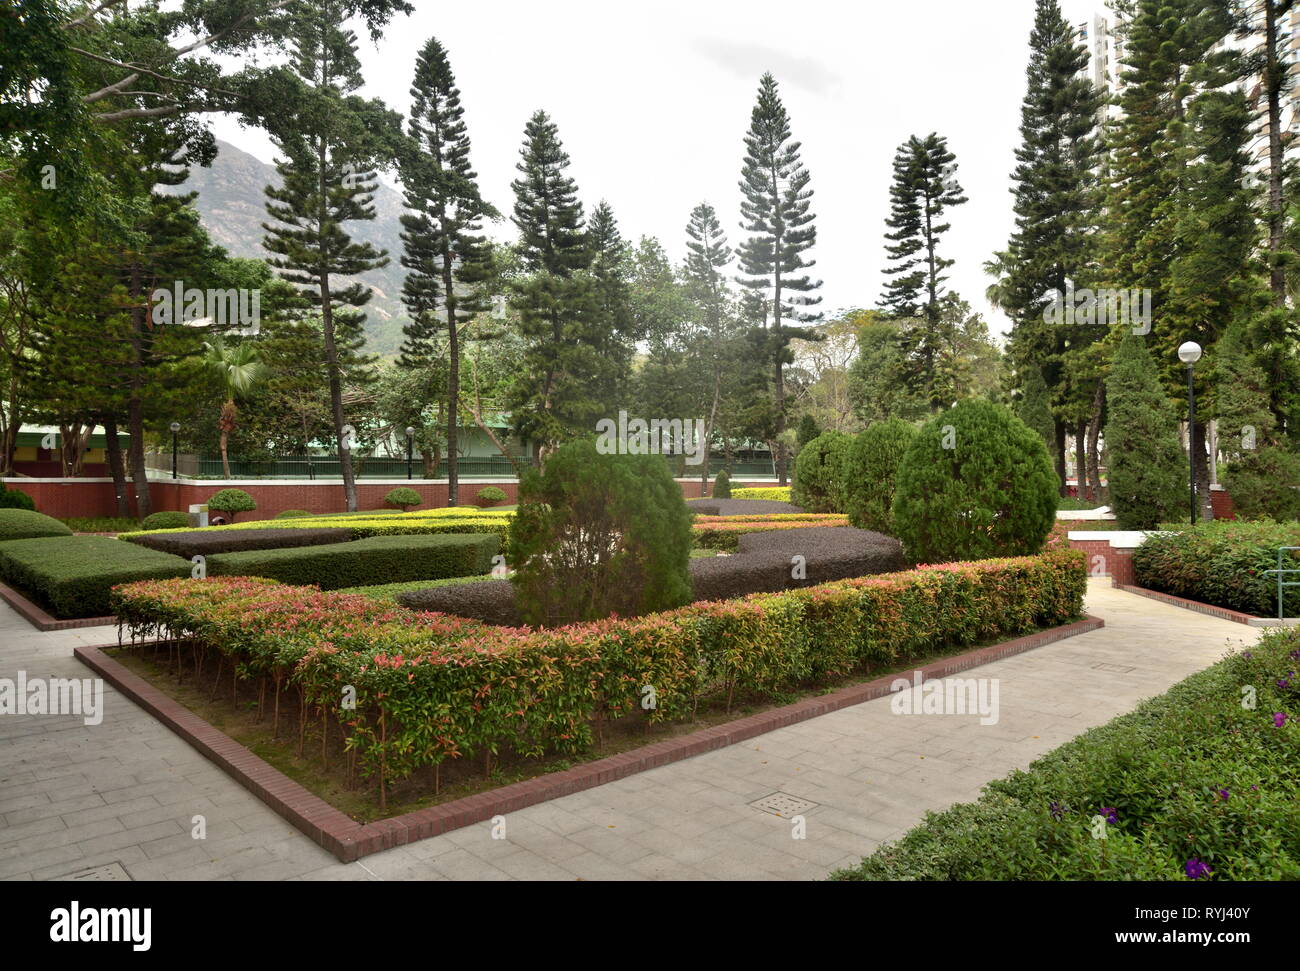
(387, 592)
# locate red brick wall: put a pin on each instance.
(91, 498)
(1221, 503)
(1105, 561)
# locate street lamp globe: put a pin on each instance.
(1189, 353)
(175, 426)
(410, 432)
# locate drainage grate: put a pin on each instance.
(784, 804)
(107, 872)
(1117, 668)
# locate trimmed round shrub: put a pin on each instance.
(1263, 484)
(166, 520)
(975, 483)
(293, 514)
(27, 524)
(231, 501)
(870, 474)
(490, 495)
(722, 486)
(403, 497)
(816, 483)
(16, 499)
(597, 535)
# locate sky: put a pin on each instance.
(652, 102)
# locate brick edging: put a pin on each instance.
(1223, 613)
(349, 840)
(41, 619)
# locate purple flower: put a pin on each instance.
(1279, 719)
(1110, 814)
(1195, 869)
(1247, 654)
(1223, 794)
(1283, 683)
(1056, 810)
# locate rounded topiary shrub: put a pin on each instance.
(870, 474)
(27, 524)
(722, 486)
(815, 485)
(490, 496)
(15, 499)
(231, 501)
(166, 520)
(293, 514)
(403, 497)
(597, 535)
(975, 483)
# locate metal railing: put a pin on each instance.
(1283, 584)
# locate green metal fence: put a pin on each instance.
(376, 467)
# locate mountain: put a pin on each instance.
(232, 208)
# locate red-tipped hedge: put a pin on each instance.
(431, 687)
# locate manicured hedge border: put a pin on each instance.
(774, 493)
(26, 524)
(439, 687)
(1222, 563)
(204, 542)
(71, 576)
(1190, 777)
(724, 532)
(379, 559)
(363, 526)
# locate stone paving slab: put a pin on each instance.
(74, 796)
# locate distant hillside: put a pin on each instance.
(232, 206)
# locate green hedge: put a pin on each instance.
(541, 691)
(166, 520)
(378, 560)
(71, 576)
(1192, 775)
(26, 524)
(1223, 563)
(15, 499)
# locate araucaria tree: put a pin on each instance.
(1056, 199)
(573, 357)
(445, 253)
(925, 186)
(329, 146)
(776, 213)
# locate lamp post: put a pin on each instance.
(410, 445)
(175, 427)
(1189, 354)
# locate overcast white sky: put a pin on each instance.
(653, 101)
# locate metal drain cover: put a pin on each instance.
(784, 804)
(108, 872)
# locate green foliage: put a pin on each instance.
(28, 524)
(1263, 484)
(596, 535)
(231, 501)
(292, 514)
(774, 493)
(1147, 470)
(380, 559)
(870, 474)
(817, 484)
(1223, 563)
(72, 576)
(807, 431)
(403, 497)
(387, 592)
(491, 494)
(722, 486)
(16, 499)
(1191, 775)
(206, 542)
(166, 520)
(539, 692)
(976, 482)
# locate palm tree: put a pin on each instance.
(239, 371)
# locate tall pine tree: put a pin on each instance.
(444, 250)
(925, 187)
(776, 213)
(328, 148)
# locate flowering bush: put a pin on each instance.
(776, 493)
(724, 532)
(1191, 786)
(429, 687)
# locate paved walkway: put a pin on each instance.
(119, 799)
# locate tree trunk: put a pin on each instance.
(1060, 457)
(453, 374)
(113, 450)
(1273, 82)
(135, 403)
(1203, 497)
(1094, 433)
(1081, 460)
